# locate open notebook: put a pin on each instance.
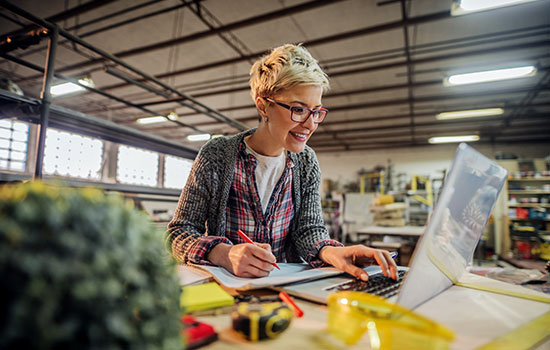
(288, 273)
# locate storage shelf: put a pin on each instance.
(518, 189)
(528, 219)
(542, 178)
(527, 192)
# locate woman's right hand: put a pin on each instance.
(243, 260)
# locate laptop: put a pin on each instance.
(447, 245)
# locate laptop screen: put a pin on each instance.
(453, 231)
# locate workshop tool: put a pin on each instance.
(196, 333)
(259, 321)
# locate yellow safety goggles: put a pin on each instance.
(389, 326)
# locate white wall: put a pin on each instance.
(428, 161)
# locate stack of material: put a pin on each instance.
(392, 214)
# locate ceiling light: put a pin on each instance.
(462, 7)
(451, 139)
(173, 116)
(471, 113)
(490, 75)
(69, 88)
(198, 137)
(152, 120)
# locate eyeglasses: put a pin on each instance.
(300, 114)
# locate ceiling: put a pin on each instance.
(386, 61)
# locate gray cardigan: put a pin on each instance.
(203, 200)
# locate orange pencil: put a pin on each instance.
(286, 298)
(248, 240)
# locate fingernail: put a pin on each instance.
(364, 276)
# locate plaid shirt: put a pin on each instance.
(244, 212)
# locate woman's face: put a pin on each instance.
(284, 132)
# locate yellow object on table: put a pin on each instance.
(389, 326)
(204, 296)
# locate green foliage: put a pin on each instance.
(82, 270)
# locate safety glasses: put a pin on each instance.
(389, 326)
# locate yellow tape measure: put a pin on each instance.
(258, 321)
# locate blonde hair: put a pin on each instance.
(284, 67)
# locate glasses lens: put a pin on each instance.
(319, 115)
(299, 114)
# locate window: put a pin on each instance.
(13, 144)
(176, 171)
(68, 154)
(137, 166)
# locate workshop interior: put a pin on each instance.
(106, 104)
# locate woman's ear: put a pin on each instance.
(261, 106)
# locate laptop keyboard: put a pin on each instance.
(378, 285)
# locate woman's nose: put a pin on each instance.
(309, 123)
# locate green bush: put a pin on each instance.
(82, 270)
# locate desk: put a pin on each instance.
(475, 316)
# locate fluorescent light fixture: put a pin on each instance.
(198, 137)
(490, 75)
(152, 120)
(69, 88)
(471, 113)
(462, 7)
(451, 139)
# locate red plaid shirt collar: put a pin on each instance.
(244, 210)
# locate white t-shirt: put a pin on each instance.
(268, 172)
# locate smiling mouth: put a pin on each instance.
(298, 135)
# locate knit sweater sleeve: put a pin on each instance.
(310, 233)
(186, 238)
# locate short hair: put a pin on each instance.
(284, 67)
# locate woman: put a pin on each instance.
(265, 182)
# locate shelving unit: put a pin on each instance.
(528, 214)
(331, 215)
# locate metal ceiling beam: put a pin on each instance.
(343, 93)
(111, 26)
(97, 91)
(531, 128)
(459, 122)
(23, 108)
(391, 102)
(204, 34)
(529, 45)
(409, 65)
(419, 49)
(329, 124)
(329, 95)
(187, 100)
(531, 95)
(113, 14)
(515, 47)
(390, 145)
(207, 18)
(75, 11)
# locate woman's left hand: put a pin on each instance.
(352, 259)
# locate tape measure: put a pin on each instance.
(258, 321)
